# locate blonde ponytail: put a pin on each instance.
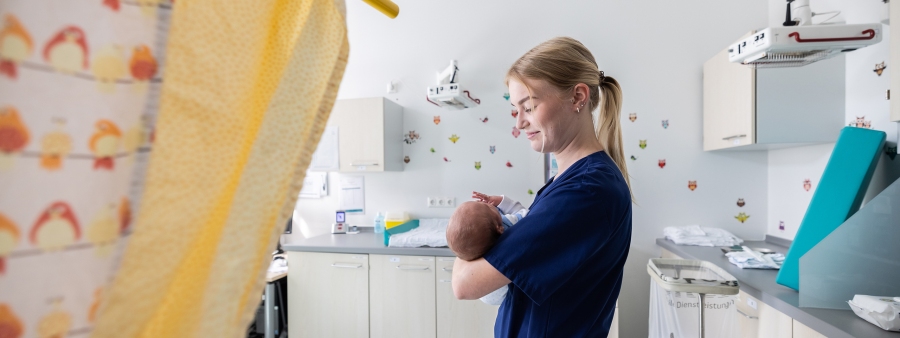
(564, 63)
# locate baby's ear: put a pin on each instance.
(500, 227)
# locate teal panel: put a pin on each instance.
(399, 229)
(837, 197)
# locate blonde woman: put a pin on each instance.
(563, 263)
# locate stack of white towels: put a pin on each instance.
(750, 259)
(701, 236)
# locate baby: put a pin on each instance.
(476, 226)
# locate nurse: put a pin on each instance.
(563, 262)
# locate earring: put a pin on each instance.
(578, 110)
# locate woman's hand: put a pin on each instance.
(492, 200)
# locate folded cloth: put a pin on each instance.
(496, 297)
(701, 236)
(749, 259)
(431, 232)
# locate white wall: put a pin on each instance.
(654, 48)
(788, 168)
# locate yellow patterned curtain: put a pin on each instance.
(249, 86)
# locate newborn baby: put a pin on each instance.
(476, 226)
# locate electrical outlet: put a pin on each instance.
(440, 202)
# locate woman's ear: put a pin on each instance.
(581, 95)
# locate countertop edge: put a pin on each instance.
(805, 318)
(438, 252)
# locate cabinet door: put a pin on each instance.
(329, 295)
(402, 296)
(894, 62)
(803, 331)
(773, 323)
(460, 318)
(729, 103)
(360, 125)
(748, 315)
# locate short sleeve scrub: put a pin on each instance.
(565, 259)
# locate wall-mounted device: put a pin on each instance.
(799, 42)
(448, 93)
(340, 222)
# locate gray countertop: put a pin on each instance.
(365, 242)
(761, 285)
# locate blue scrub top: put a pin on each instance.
(565, 258)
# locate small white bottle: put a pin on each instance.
(379, 222)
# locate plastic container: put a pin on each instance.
(379, 223)
(692, 298)
(392, 219)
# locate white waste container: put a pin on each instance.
(679, 288)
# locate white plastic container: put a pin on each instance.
(679, 287)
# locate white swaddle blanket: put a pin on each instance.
(431, 232)
(701, 236)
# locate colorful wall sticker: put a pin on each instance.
(493, 149)
(104, 143)
(879, 68)
(861, 122)
(514, 113)
(108, 66)
(446, 160)
(506, 96)
(633, 158)
(807, 184)
(112, 4)
(665, 124)
(642, 144)
(662, 163)
(411, 137)
(67, 51)
(484, 120)
(453, 138)
(9, 239)
(104, 231)
(632, 117)
(890, 151)
(57, 323)
(516, 132)
(477, 165)
(143, 66)
(741, 203)
(56, 228)
(781, 225)
(742, 217)
(692, 185)
(15, 46)
(508, 164)
(432, 150)
(530, 192)
(10, 324)
(55, 146)
(437, 119)
(14, 136)
(405, 159)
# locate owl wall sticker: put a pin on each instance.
(405, 159)
(665, 124)
(741, 203)
(493, 149)
(410, 137)
(437, 119)
(516, 132)
(781, 225)
(642, 144)
(692, 185)
(662, 163)
(477, 165)
(879, 68)
(632, 117)
(515, 113)
(807, 184)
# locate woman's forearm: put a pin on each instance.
(474, 279)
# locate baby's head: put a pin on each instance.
(473, 229)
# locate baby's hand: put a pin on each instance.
(492, 200)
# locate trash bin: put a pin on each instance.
(679, 288)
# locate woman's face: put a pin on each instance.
(545, 116)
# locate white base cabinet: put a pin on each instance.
(402, 297)
(460, 318)
(329, 295)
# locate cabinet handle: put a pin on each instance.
(412, 267)
(746, 315)
(734, 136)
(347, 266)
(447, 269)
(357, 164)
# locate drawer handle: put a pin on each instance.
(746, 315)
(363, 163)
(347, 266)
(447, 269)
(412, 267)
(734, 136)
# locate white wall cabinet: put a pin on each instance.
(329, 295)
(460, 318)
(758, 109)
(895, 61)
(402, 297)
(370, 134)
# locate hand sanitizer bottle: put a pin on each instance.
(379, 223)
